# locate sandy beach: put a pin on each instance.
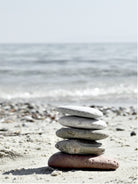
(69, 54)
(27, 140)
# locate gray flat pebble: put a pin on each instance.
(80, 111)
(79, 122)
(68, 133)
(73, 146)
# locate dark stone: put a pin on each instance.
(63, 160)
(3, 129)
(133, 133)
(120, 129)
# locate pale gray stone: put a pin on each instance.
(70, 133)
(80, 111)
(79, 122)
(74, 146)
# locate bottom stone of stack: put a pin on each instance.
(63, 160)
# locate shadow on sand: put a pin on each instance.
(45, 170)
(23, 171)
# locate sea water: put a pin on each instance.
(93, 73)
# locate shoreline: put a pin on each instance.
(63, 101)
(27, 140)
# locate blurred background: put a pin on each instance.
(61, 52)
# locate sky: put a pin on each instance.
(61, 21)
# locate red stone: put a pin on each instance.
(63, 160)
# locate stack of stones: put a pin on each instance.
(80, 148)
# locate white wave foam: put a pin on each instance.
(79, 93)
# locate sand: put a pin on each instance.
(27, 140)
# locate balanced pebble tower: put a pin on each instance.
(80, 149)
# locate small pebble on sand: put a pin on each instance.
(133, 133)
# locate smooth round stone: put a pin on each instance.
(74, 146)
(79, 122)
(70, 133)
(80, 111)
(62, 160)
